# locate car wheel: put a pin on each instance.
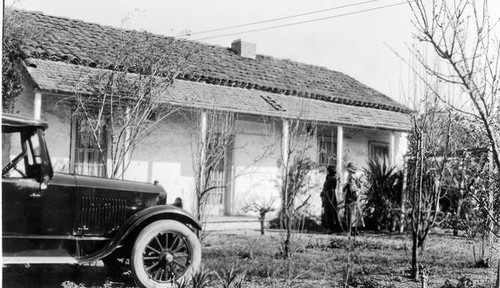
(165, 252)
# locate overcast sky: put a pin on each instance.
(350, 41)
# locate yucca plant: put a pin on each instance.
(383, 196)
(231, 278)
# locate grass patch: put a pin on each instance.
(319, 260)
(379, 260)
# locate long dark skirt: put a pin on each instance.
(329, 217)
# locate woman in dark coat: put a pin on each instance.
(329, 199)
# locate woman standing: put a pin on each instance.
(329, 201)
(352, 191)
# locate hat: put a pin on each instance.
(350, 167)
(331, 170)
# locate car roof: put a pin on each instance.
(16, 121)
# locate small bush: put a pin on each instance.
(463, 282)
(299, 223)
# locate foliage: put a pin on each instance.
(231, 278)
(205, 278)
(382, 260)
(301, 222)
(383, 196)
(202, 278)
(466, 191)
(14, 31)
(463, 282)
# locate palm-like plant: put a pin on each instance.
(384, 194)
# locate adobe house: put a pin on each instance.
(352, 121)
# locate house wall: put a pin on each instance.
(59, 118)
(356, 144)
(166, 155)
(256, 164)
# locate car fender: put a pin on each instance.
(144, 216)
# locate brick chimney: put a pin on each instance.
(244, 49)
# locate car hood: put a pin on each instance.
(82, 181)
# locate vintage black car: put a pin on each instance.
(53, 217)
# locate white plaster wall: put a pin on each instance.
(401, 147)
(24, 103)
(356, 143)
(58, 134)
(256, 164)
(23, 106)
(166, 156)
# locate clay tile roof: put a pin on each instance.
(87, 44)
(59, 77)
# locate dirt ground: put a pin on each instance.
(319, 260)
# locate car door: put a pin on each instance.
(37, 213)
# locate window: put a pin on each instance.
(14, 155)
(378, 150)
(22, 153)
(216, 158)
(327, 150)
(90, 149)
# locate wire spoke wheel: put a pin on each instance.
(167, 256)
(165, 252)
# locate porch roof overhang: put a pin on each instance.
(63, 78)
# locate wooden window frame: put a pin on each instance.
(332, 142)
(378, 144)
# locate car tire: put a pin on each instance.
(165, 252)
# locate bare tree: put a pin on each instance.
(429, 148)
(210, 153)
(464, 39)
(296, 175)
(261, 207)
(119, 102)
(212, 150)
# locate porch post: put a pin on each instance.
(285, 147)
(229, 179)
(37, 105)
(72, 143)
(392, 151)
(203, 148)
(127, 156)
(285, 144)
(340, 152)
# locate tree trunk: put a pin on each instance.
(425, 279)
(403, 197)
(458, 212)
(262, 220)
(288, 235)
(414, 257)
(497, 285)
